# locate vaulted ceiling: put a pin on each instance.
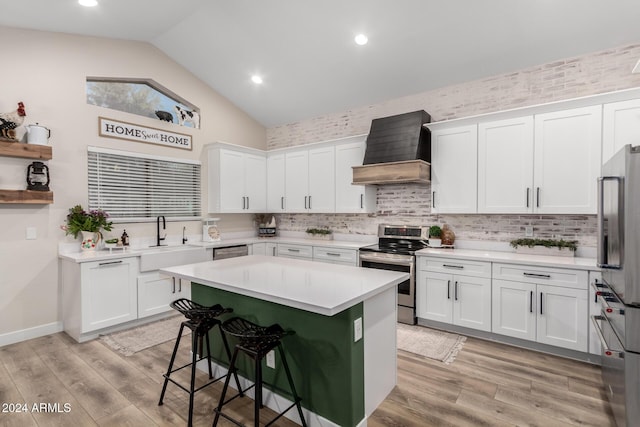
(305, 51)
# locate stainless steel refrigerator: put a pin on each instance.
(618, 325)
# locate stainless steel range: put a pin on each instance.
(618, 326)
(395, 251)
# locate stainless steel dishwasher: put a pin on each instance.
(230, 252)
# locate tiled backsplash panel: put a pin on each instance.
(599, 72)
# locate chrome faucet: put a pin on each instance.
(184, 238)
(164, 227)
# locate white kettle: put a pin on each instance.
(37, 134)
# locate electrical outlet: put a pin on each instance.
(528, 231)
(271, 359)
(357, 329)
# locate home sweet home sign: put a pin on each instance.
(132, 132)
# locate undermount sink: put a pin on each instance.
(154, 258)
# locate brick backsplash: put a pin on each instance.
(598, 72)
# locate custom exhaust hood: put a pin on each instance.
(398, 151)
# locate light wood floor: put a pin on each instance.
(487, 385)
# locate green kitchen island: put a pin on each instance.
(343, 353)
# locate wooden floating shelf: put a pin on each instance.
(25, 151)
(26, 197)
(410, 171)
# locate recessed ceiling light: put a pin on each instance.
(361, 39)
(88, 3)
(256, 79)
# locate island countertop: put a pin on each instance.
(316, 287)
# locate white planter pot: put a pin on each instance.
(435, 243)
(543, 250)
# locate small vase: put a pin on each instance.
(90, 240)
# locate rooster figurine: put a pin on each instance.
(10, 121)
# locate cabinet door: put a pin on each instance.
(322, 180)
(514, 309)
(434, 296)
(275, 183)
(505, 166)
(109, 293)
(620, 124)
(472, 302)
(271, 249)
(297, 181)
(155, 293)
(255, 183)
(454, 179)
(352, 198)
(562, 317)
(567, 161)
(232, 178)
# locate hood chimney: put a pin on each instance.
(398, 151)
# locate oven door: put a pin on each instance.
(406, 289)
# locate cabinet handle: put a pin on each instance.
(305, 202)
(180, 285)
(457, 267)
(110, 263)
(244, 203)
(293, 250)
(333, 254)
(361, 201)
(274, 251)
(173, 285)
(531, 302)
(247, 202)
(537, 197)
(448, 289)
(528, 196)
(456, 290)
(541, 303)
(282, 202)
(433, 199)
(309, 202)
(538, 276)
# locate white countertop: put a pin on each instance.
(577, 263)
(316, 287)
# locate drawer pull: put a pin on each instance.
(293, 250)
(110, 263)
(541, 303)
(448, 289)
(333, 254)
(456, 290)
(538, 276)
(458, 267)
(531, 302)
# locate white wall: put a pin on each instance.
(47, 71)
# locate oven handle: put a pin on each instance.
(606, 351)
(599, 290)
(407, 262)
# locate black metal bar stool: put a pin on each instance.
(200, 319)
(256, 341)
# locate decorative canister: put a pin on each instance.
(448, 236)
(90, 240)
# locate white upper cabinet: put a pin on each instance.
(237, 179)
(310, 180)
(454, 178)
(352, 198)
(275, 183)
(620, 126)
(505, 166)
(567, 161)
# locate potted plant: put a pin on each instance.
(545, 247)
(88, 224)
(435, 232)
(319, 233)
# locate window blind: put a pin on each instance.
(138, 187)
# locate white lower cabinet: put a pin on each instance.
(156, 291)
(295, 251)
(335, 255)
(536, 308)
(455, 298)
(98, 294)
(264, 248)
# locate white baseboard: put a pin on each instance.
(30, 333)
(272, 400)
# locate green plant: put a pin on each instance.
(80, 220)
(322, 231)
(549, 243)
(435, 231)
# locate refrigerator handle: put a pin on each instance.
(602, 249)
